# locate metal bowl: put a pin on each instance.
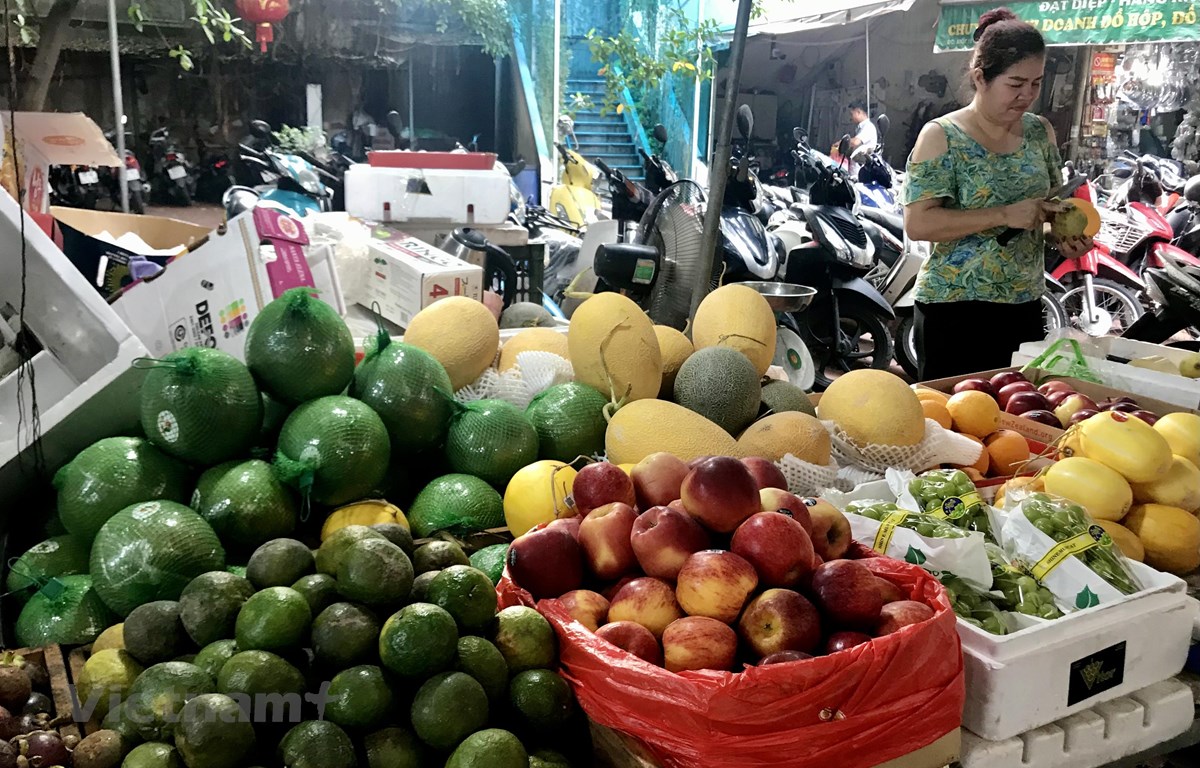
(784, 297)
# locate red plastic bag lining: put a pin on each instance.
(854, 709)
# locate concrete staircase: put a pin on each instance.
(604, 137)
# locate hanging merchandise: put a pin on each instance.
(263, 13)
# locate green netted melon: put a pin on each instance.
(299, 349)
(150, 552)
(66, 611)
(202, 406)
(411, 392)
(334, 449)
(111, 474)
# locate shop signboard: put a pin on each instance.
(1080, 22)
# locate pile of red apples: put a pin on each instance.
(1055, 403)
(722, 566)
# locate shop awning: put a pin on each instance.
(782, 17)
(1078, 22)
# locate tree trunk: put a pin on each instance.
(53, 33)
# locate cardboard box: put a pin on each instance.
(211, 295)
(110, 267)
(43, 139)
(408, 275)
(457, 197)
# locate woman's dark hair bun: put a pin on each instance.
(990, 18)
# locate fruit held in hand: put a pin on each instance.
(634, 638)
(1080, 219)
(715, 583)
(721, 493)
(847, 592)
(698, 642)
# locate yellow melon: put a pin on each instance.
(1125, 539)
(675, 348)
(1100, 490)
(874, 408)
(644, 427)
(1180, 487)
(1182, 431)
(1170, 535)
(1127, 444)
(614, 349)
(788, 432)
(738, 317)
(461, 333)
(532, 340)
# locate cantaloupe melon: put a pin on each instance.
(532, 340)
(614, 349)
(792, 432)
(461, 333)
(782, 396)
(721, 385)
(649, 426)
(674, 348)
(738, 317)
(874, 408)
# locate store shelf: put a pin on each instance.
(1096, 737)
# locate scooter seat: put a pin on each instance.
(892, 222)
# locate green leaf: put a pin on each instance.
(1086, 599)
(914, 556)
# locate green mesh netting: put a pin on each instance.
(411, 392)
(490, 439)
(66, 610)
(299, 349)
(569, 419)
(458, 503)
(245, 503)
(56, 556)
(334, 449)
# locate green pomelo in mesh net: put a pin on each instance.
(150, 551)
(299, 349)
(411, 392)
(569, 419)
(56, 556)
(334, 449)
(458, 503)
(201, 405)
(245, 503)
(111, 474)
(66, 610)
(490, 439)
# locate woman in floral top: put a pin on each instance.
(973, 174)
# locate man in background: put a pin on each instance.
(865, 134)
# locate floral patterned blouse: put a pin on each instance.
(969, 176)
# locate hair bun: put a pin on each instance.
(991, 17)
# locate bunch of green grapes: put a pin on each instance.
(926, 525)
(973, 606)
(1061, 520)
(1022, 593)
(950, 493)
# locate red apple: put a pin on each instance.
(840, 641)
(830, 529)
(698, 642)
(604, 536)
(1007, 392)
(698, 461)
(1147, 416)
(1082, 415)
(569, 524)
(765, 473)
(893, 616)
(611, 590)
(783, 657)
(780, 620)
(1006, 378)
(1026, 401)
(1122, 407)
(548, 563)
(777, 546)
(646, 601)
(587, 607)
(720, 492)
(982, 385)
(664, 538)
(601, 483)
(1043, 417)
(1056, 385)
(1057, 397)
(848, 593)
(634, 638)
(1072, 404)
(715, 583)
(657, 479)
(775, 500)
(888, 591)
(677, 504)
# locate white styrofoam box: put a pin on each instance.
(85, 360)
(1168, 387)
(1094, 737)
(1046, 672)
(423, 194)
(408, 275)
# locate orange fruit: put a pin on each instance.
(974, 413)
(937, 411)
(925, 393)
(981, 465)
(1007, 452)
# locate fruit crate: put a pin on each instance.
(75, 661)
(51, 657)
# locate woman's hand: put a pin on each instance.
(1072, 247)
(1031, 213)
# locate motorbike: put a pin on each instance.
(170, 176)
(286, 179)
(110, 178)
(877, 181)
(213, 173)
(74, 186)
(574, 197)
(1184, 218)
(1175, 287)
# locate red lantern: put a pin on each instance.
(263, 13)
